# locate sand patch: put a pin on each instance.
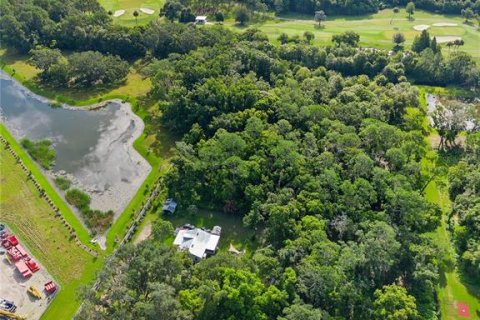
(444, 24)
(446, 39)
(147, 11)
(421, 27)
(118, 13)
(144, 234)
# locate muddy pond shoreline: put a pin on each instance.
(94, 144)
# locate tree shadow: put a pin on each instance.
(450, 157)
(305, 17)
(472, 284)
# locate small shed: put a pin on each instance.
(201, 20)
(169, 207)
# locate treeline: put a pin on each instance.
(331, 7)
(85, 28)
(29, 24)
(464, 189)
(358, 7)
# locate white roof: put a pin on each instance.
(197, 241)
(201, 18)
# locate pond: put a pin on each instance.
(94, 147)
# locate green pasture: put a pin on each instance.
(376, 30)
(454, 285)
(127, 19)
(33, 221)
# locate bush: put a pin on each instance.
(242, 16)
(79, 199)
(41, 151)
(98, 220)
(62, 183)
(219, 17)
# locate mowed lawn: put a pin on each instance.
(454, 287)
(127, 19)
(33, 221)
(375, 30)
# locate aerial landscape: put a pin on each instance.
(237, 160)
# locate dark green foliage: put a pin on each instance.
(89, 68)
(63, 183)
(219, 16)
(41, 151)
(398, 40)
(361, 7)
(96, 220)
(349, 38)
(186, 16)
(464, 190)
(78, 198)
(318, 159)
(242, 15)
(171, 10)
(81, 69)
(421, 42)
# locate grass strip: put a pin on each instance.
(65, 210)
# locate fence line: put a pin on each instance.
(44, 195)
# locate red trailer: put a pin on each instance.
(32, 264)
(14, 254)
(21, 250)
(9, 241)
(50, 287)
(23, 269)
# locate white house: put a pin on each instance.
(201, 20)
(199, 243)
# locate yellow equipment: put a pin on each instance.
(10, 315)
(34, 292)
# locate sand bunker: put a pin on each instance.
(446, 39)
(118, 13)
(147, 11)
(421, 27)
(444, 24)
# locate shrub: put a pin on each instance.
(41, 151)
(79, 199)
(62, 183)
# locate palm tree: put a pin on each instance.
(135, 14)
(395, 11)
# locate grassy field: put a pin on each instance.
(454, 287)
(33, 221)
(375, 30)
(127, 19)
(69, 216)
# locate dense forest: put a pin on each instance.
(464, 189)
(321, 150)
(327, 165)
